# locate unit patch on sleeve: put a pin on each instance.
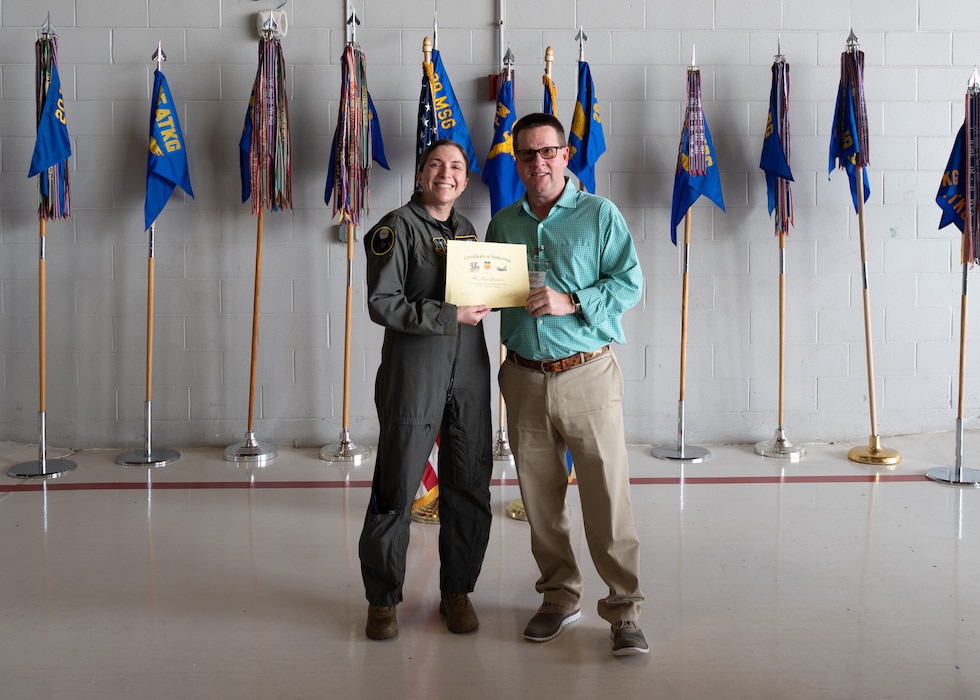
(382, 240)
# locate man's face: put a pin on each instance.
(544, 178)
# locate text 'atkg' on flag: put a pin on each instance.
(500, 169)
(166, 163)
(697, 170)
(585, 139)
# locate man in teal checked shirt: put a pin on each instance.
(563, 385)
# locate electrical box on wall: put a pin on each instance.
(271, 21)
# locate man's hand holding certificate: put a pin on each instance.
(492, 274)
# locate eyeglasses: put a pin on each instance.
(527, 154)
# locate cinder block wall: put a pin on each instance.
(918, 63)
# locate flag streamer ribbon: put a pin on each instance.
(353, 152)
(971, 237)
(53, 147)
(270, 166)
(694, 125)
(852, 77)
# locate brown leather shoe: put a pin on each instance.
(460, 615)
(381, 622)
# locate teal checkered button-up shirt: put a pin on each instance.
(591, 252)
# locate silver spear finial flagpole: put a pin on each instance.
(435, 24)
(352, 22)
(159, 56)
(581, 38)
(149, 456)
(45, 31)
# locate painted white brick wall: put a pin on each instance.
(917, 70)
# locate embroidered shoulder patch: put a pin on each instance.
(382, 240)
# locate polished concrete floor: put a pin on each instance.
(764, 578)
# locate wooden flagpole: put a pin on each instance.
(345, 450)
(873, 452)
(148, 457)
(853, 78)
(681, 451)
(687, 453)
(42, 466)
(780, 446)
(958, 474)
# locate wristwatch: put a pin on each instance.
(578, 304)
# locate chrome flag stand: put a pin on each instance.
(350, 199)
(775, 160)
(54, 201)
(851, 109)
(270, 185)
(970, 188)
(148, 457)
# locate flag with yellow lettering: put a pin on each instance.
(951, 197)
(447, 115)
(166, 162)
(52, 146)
(585, 140)
(500, 168)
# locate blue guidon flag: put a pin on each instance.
(697, 171)
(166, 162)
(440, 116)
(500, 168)
(585, 139)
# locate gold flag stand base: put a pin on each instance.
(427, 513)
(875, 454)
(515, 510)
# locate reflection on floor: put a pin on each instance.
(822, 578)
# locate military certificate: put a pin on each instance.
(493, 274)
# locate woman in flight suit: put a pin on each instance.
(434, 378)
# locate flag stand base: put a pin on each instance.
(515, 510)
(501, 450)
(251, 451)
(42, 466)
(780, 447)
(52, 468)
(344, 451)
(144, 458)
(682, 453)
(875, 454)
(428, 514)
(956, 476)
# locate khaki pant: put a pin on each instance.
(580, 408)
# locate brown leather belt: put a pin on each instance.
(560, 365)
